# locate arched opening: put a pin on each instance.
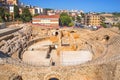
(106, 37)
(56, 33)
(53, 63)
(53, 78)
(18, 77)
(72, 31)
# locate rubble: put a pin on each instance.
(19, 41)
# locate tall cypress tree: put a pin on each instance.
(16, 12)
(2, 14)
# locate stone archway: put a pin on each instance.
(56, 33)
(53, 79)
(53, 76)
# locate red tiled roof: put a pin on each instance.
(47, 16)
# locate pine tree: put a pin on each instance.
(26, 15)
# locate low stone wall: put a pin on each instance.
(29, 43)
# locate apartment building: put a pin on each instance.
(12, 2)
(35, 10)
(2, 2)
(92, 20)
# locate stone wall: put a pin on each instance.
(2, 25)
(99, 69)
(18, 43)
(109, 71)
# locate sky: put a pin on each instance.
(85, 5)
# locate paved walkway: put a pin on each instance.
(7, 31)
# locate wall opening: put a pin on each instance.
(56, 33)
(106, 37)
(53, 78)
(53, 63)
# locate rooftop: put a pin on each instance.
(47, 16)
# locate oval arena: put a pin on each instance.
(37, 53)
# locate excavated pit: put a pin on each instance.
(67, 48)
(69, 54)
(41, 54)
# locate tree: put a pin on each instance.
(16, 12)
(26, 15)
(103, 22)
(103, 25)
(71, 24)
(46, 10)
(7, 16)
(78, 19)
(65, 19)
(82, 15)
(73, 18)
(115, 14)
(2, 14)
(63, 14)
(36, 15)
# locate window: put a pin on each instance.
(45, 20)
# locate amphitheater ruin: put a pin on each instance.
(30, 52)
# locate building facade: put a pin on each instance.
(92, 20)
(36, 10)
(32, 11)
(12, 2)
(2, 2)
(47, 20)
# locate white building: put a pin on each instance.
(38, 10)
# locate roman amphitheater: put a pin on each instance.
(30, 52)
